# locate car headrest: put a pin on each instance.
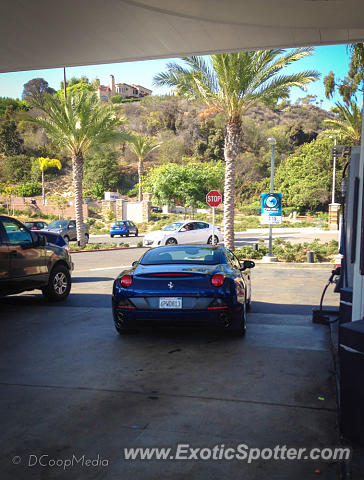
(164, 257)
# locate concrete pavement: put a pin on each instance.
(70, 384)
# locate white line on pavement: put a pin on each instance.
(108, 268)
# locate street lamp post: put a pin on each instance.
(272, 142)
(333, 207)
(333, 173)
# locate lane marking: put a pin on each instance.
(108, 268)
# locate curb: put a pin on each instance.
(106, 235)
(103, 250)
(307, 266)
(284, 265)
(288, 230)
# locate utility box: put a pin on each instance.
(351, 357)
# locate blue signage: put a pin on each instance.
(271, 208)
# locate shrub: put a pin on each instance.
(110, 215)
(28, 190)
(90, 221)
(288, 252)
(99, 225)
(286, 211)
(248, 252)
(252, 209)
(94, 212)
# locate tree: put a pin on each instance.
(60, 202)
(298, 136)
(10, 141)
(232, 84)
(7, 191)
(102, 172)
(305, 177)
(76, 88)
(75, 81)
(142, 147)
(45, 164)
(348, 87)
(16, 169)
(346, 128)
(35, 89)
(11, 104)
(78, 124)
(185, 184)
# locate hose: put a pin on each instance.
(335, 272)
(343, 240)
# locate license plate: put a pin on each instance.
(170, 302)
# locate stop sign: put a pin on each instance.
(213, 198)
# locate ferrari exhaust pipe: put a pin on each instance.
(224, 320)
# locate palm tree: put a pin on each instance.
(347, 127)
(233, 83)
(45, 164)
(77, 124)
(142, 147)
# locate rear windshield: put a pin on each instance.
(185, 255)
(117, 224)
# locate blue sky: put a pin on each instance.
(326, 58)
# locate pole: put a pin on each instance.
(213, 226)
(334, 174)
(271, 191)
(64, 83)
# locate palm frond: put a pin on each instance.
(79, 122)
(348, 125)
(233, 82)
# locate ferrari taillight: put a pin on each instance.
(126, 281)
(217, 280)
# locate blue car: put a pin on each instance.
(184, 284)
(124, 228)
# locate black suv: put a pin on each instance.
(28, 262)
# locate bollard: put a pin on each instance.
(310, 257)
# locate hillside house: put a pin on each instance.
(105, 92)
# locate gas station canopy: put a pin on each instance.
(46, 34)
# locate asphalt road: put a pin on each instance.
(70, 385)
(245, 238)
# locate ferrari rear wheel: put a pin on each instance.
(248, 304)
(239, 329)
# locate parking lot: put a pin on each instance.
(70, 385)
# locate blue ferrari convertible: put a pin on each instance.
(184, 284)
